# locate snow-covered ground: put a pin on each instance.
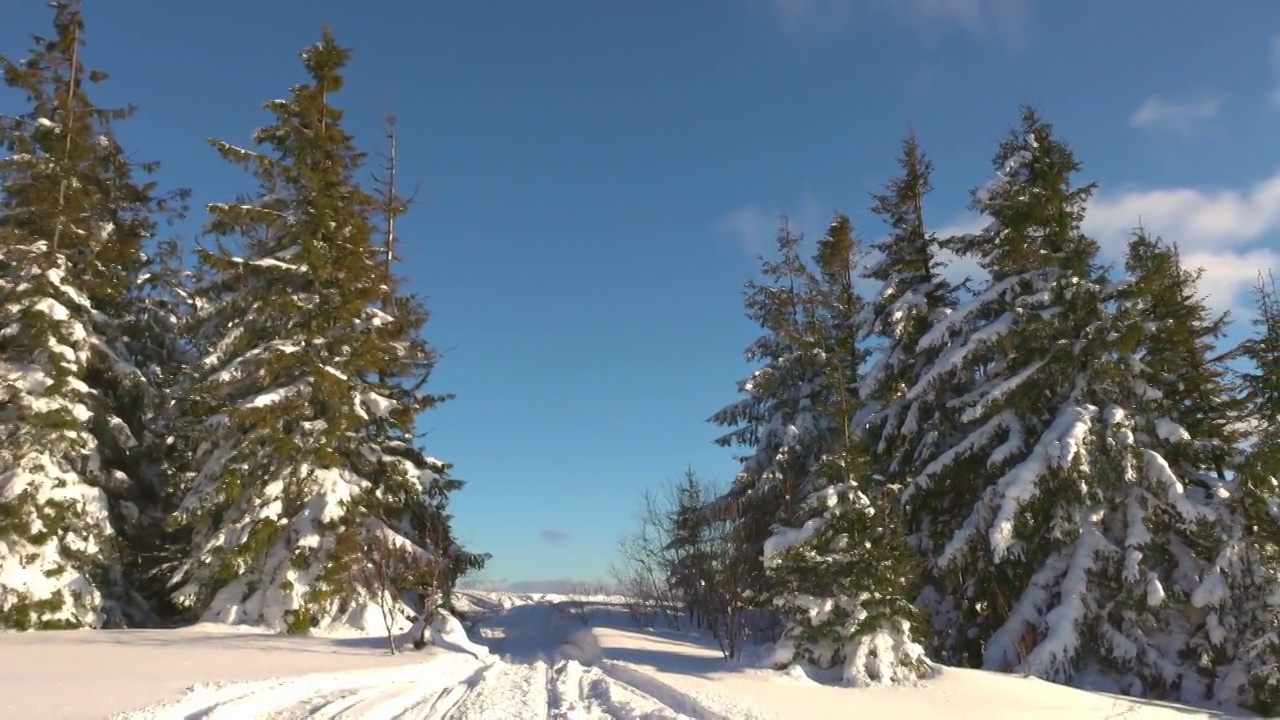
(538, 657)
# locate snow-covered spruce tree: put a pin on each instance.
(1001, 512)
(76, 349)
(1056, 517)
(1259, 503)
(1169, 593)
(778, 421)
(309, 387)
(844, 579)
(163, 457)
(411, 499)
(996, 511)
(1183, 378)
(913, 296)
(904, 434)
(1261, 390)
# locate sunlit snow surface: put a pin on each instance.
(544, 656)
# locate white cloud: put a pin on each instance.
(1232, 233)
(1198, 219)
(1006, 20)
(1181, 115)
(1230, 276)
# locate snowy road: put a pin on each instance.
(534, 673)
(540, 659)
(450, 689)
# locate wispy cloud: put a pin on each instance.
(1232, 233)
(1179, 115)
(1007, 21)
(813, 17)
(755, 227)
(554, 537)
(751, 227)
(1275, 73)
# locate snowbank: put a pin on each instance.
(684, 664)
(97, 673)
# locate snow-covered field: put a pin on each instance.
(539, 657)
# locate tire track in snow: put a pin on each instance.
(458, 688)
(576, 691)
(551, 669)
(441, 705)
(698, 705)
(367, 693)
(508, 691)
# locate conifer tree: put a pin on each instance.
(1183, 378)
(311, 380)
(844, 579)
(1169, 438)
(778, 420)
(1067, 536)
(1261, 385)
(79, 348)
(903, 434)
(163, 458)
(692, 555)
(412, 501)
(1007, 512)
(913, 295)
(1259, 504)
(997, 504)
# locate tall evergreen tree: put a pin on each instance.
(79, 345)
(163, 458)
(912, 297)
(310, 384)
(1259, 504)
(1261, 385)
(997, 510)
(1068, 538)
(395, 400)
(905, 434)
(1183, 377)
(778, 421)
(1166, 613)
(843, 579)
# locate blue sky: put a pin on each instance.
(595, 179)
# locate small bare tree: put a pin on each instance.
(728, 612)
(680, 562)
(385, 566)
(645, 567)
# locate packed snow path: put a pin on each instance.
(535, 671)
(446, 689)
(545, 663)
